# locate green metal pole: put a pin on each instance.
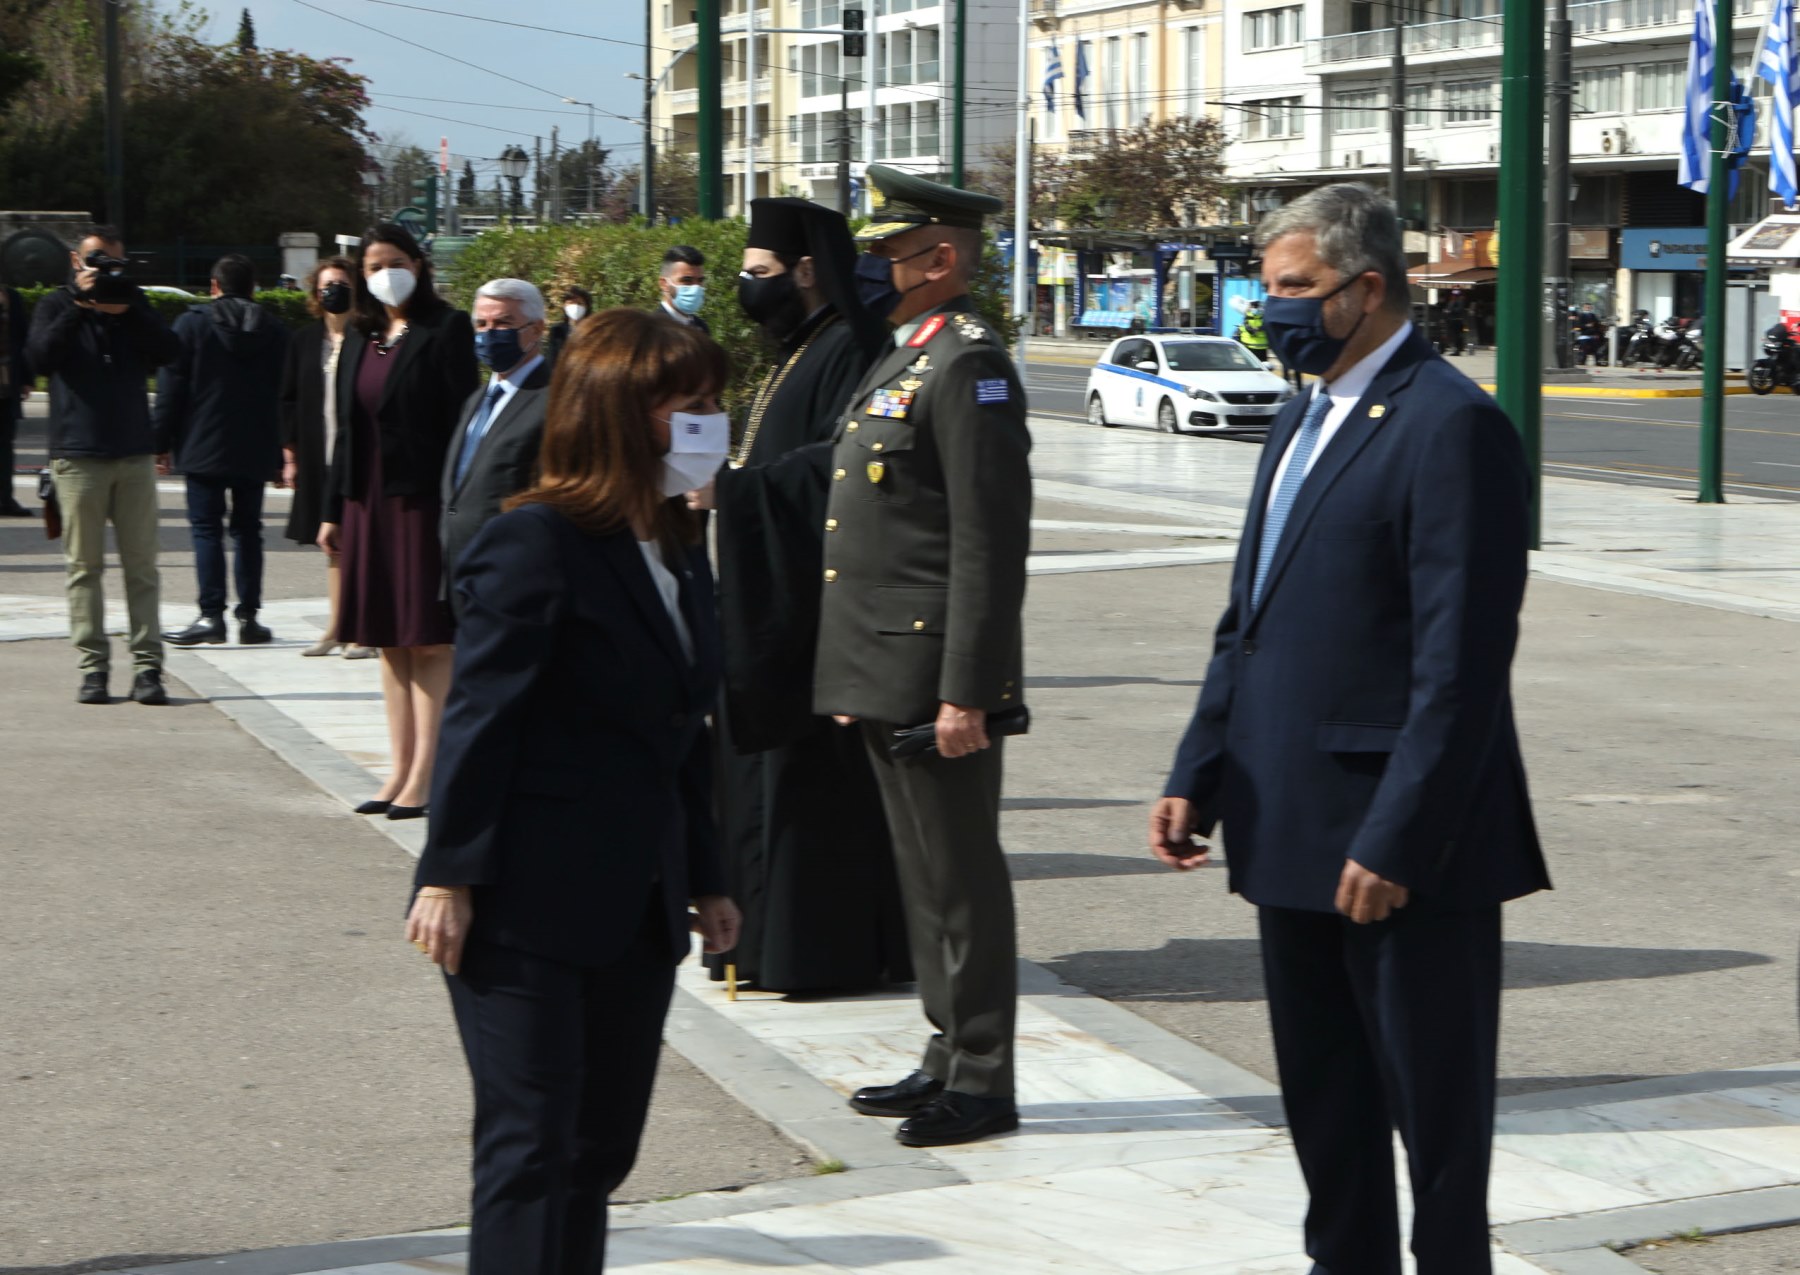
(1519, 327)
(712, 114)
(1718, 212)
(957, 95)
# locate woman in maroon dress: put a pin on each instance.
(403, 378)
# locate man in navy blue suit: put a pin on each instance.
(1355, 739)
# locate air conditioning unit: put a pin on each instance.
(1615, 141)
(1493, 152)
(1353, 159)
(1416, 158)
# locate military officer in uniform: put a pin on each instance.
(926, 532)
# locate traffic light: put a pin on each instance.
(855, 42)
(425, 202)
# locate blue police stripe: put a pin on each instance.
(1142, 376)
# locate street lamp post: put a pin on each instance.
(371, 180)
(652, 86)
(513, 163)
(588, 155)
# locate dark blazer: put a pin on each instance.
(573, 774)
(218, 403)
(505, 463)
(1364, 709)
(928, 530)
(670, 312)
(434, 373)
(303, 427)
(98, 365)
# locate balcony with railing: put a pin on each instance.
(1595, 17)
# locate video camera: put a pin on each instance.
(111, 286)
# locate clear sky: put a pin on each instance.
(480, 112)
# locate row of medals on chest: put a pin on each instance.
(892, 404)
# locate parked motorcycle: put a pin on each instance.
(1591, 345)
(1639, 342)
(1677, 344)
(1780, 363)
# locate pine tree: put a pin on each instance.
(246, 36)
(465, 186)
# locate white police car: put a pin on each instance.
(1177, 383)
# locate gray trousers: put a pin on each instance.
(945, 820)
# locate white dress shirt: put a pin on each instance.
(680, 316)
(1345, 393)
(669, 588)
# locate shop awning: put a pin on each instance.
(1772, 241)
(1433, 275)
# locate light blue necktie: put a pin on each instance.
(1304, 442)
(478, 429)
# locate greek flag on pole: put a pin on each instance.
(1696, 124)
(1778, 62)
(1052, 73)
(1081, 74)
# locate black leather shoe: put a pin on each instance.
(956, 1118)
(407, 812)
(209, 629)
(93, 689)
(250, 633)
(13, 509)
(908, 1098)
(374, 806)
(147, 687)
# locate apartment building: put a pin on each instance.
(1307, 91)
(805, 89)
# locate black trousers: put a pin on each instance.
(206, 525)
(1393, 1025)
(563, 1058)
(945, 819)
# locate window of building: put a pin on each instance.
(904, 6)
(1599, 90)
(809, 139)
(1357, 110)
(1140, 78)
(925, 129)
(1418, 106)
(900, 135)
(819, 13)
(1272, 28)
(1112, 80)
(899, 47)
(1193, 72)
(1468, 101)
(809, 71)
(1273, 117)
(926, 43)
(1659, 86)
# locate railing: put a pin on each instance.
(1592, 18)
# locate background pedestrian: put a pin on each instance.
(402, 381)
(682, 282)
(577, 304)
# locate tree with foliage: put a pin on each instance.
(677, 189)
(246, 36)
(1146, 176)
(223, 143)
(466, 193)
(584, 175)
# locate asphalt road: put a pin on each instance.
(1643, 441)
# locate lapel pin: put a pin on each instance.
(1377, 412)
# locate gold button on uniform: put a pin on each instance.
(830, 574)
(831, 524)
(838, 477)
(851, 428)
(918, 624)
(874, 447)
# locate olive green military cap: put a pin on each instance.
(906, 201)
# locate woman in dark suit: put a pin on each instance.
(402, 380)
(309, 427)
(571, 812)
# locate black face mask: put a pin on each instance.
(772, 301)
(334, 298)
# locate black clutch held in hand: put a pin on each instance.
(910, 741)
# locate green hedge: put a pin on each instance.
(289, 304)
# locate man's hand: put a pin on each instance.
(328, 538)
(165, 464)
(1172, 834)
(702, 498)
(717, 921)
(1364, 897)
(961, 731)
(844, 719)
(439, 923)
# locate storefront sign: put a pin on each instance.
(1589, 243)
(1663, 248)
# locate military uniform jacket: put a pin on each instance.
(927, 529)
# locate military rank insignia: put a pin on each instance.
(927, 330)
(920, 364)
(970, 329)
(911, 383)
(891, 403)
(876, 470)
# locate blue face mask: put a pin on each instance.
(689, 297)
(1296, 328)
(498, 349)
(875, 282)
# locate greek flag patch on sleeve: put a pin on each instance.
(992, 391)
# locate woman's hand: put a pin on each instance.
(328, 538)
(717, 921)
(439, 922)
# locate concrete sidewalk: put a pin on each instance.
(1141, 1151)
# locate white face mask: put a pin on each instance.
(698, 445)
(575, 312)
(393, 286)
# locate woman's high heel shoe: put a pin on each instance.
(406, 812)
(374, 806)
(354, 652)
(324, 646)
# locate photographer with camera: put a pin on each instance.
(98, 340)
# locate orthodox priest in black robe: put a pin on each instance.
(807, 853)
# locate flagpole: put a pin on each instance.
(1022, 186)
(1718, 211)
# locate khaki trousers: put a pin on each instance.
(92, 492)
